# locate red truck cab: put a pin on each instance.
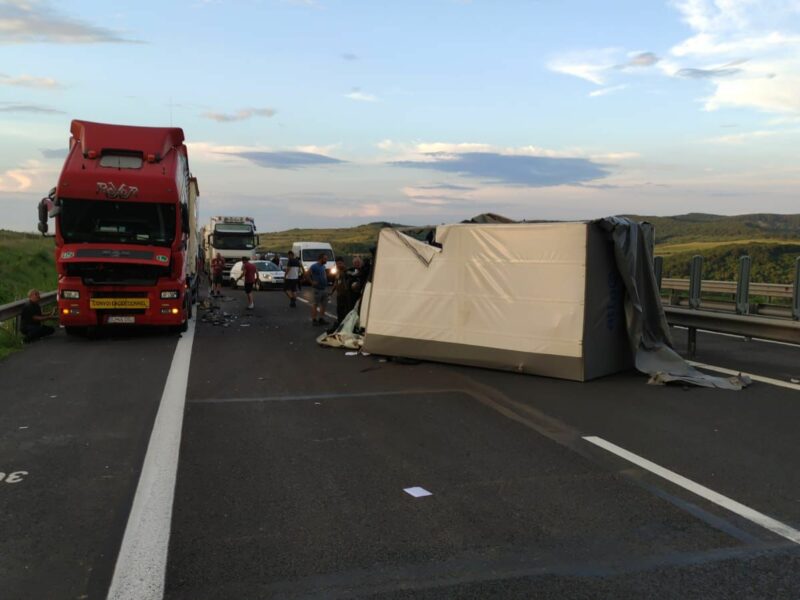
(122, 217)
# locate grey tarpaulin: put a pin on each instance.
(647, 326)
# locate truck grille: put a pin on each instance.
(117, 273)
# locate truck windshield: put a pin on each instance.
(234, 241)
(117, 222)
(312, 254)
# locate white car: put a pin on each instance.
(270, 276)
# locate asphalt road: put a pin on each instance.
(294, 459)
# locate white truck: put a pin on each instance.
(231, 237)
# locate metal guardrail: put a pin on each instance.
(748, 326)
(12, 310)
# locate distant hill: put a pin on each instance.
(699, 227)
(345, 240)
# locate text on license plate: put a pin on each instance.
(119, 303)
(121, 319)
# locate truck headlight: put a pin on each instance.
(71, 294)
(333, 270)
(170, 294)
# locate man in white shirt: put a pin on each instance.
(292, 278)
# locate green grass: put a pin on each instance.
(350, 240)
(26, 261)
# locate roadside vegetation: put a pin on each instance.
(26, 261)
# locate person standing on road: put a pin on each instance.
(217, 267)
(291, 278)
(250, 274)
(276, 260)
(31, 319)
(319, 283)
(341, 287)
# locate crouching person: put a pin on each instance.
(32, 320)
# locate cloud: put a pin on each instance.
(349, 56)
(597, 66)
(639, 60)
(725, 70)
(446, 186)
(29, 81)
(727, 29)
(516, 170)
(35, 21)
(240, 115)
(54, 152)
(607, 90)
(10, 107)
(358, 95)
(288, 159)
(31, 175)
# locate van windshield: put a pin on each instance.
(312, 254)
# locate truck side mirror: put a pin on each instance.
(211, 240)
(42, 208)
(258, 240)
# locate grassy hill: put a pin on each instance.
(771, 241)
(26, 261)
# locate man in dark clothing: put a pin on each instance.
(31, 319)
(318, 276)
(276, 260)
(341, 286)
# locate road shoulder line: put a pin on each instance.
(141, 563)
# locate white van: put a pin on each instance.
(308, 253)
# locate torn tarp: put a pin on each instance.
(648, 331)
(346, 334)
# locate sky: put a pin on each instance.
(328, 113)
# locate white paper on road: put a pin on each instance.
(417, 492)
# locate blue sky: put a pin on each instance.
(333, 112)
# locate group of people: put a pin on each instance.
(348, 284)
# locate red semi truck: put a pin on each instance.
(125, 210)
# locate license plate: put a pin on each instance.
(119, 303)
(121, 319)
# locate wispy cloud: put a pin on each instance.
(11, 107)
(516, 170)
(288, 159)
(240, 115)
(639, 60)
(607, 90)
(29, 81)
(358, 95)
(349, 56)
(725, 70)
(36, 21)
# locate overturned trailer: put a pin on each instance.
(573, 300)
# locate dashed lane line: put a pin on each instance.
(142, 560)
(327, 314)
(746, 512)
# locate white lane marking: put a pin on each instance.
(142, 559)
(761, 378)
(327, 314)
(417, 492)
(748, 513)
